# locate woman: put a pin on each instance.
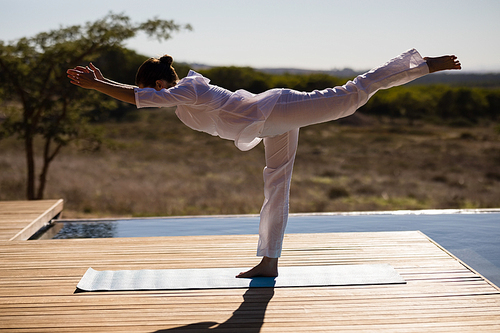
(274, 116)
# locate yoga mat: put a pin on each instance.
(220, 278)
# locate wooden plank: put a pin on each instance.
(19, 220)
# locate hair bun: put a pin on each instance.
(167, 60)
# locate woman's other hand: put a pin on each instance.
(96, 71)
(82, 77)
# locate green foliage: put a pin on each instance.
(442, 104)
(33, 76)
(315, 81)
(119, 64)
(234, 78)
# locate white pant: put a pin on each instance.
(298, 109)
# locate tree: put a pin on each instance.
(234, 78)
(44, 106)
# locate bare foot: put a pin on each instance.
(442, 63)
(267, 267)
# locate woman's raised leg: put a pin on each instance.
(296, 109)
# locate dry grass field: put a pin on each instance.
(156, 166)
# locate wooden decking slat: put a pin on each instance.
(19, 220)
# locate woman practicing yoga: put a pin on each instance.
(274, 116)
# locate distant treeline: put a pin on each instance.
(437, 103)
(454, 98)
(458, 79)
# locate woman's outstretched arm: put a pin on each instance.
(91, 78)
(99, 76)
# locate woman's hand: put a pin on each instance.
(96, 71)
(83, 77)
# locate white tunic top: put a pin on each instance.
(237, 116)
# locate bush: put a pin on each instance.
(337, 193)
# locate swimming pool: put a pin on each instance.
(471, 235)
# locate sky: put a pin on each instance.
(309, 34)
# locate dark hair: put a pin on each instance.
(155, 69)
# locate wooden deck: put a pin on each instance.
(19, 220)
(38, 280)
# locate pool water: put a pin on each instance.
(472, 236)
